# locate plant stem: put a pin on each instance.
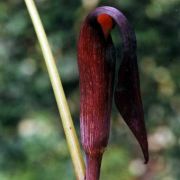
(93, 166)
(64, 111)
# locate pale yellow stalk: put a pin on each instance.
(64, 111)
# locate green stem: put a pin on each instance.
(64, 111)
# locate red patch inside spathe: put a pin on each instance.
(106, 23)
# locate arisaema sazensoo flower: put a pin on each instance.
(96, 61)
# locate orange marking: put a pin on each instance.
(106, 23)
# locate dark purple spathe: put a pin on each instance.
(127, 92)
(96, 62)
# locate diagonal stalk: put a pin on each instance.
(64, 111)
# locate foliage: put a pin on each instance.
(32, 144)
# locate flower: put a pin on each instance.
(96, 61)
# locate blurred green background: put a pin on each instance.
(32, 143)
